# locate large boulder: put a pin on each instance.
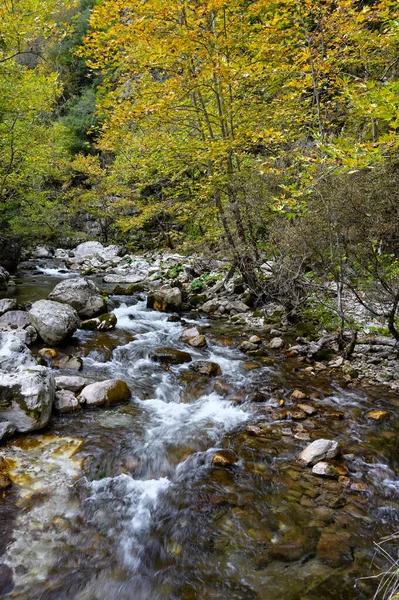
(88, 249)
(83, 295)
(104, 393)
(165, 299)
(7, 304)
(4, 278)
(53, 321)
(14, 353)
(26, 397)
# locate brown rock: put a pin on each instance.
(224, 458)
(298, 395)
(334, 549)
(378, 415)
(207, 368)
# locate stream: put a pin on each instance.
(125, 503)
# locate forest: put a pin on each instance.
(250, 129)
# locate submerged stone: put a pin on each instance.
(224, 458)
(318, 451)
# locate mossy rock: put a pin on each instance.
(197, 299)
(102, 323)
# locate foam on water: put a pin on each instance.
(56, 272)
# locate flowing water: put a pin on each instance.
(126, 503)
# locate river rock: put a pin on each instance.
(15, 318)
(378, 415)
(104, 393)
(123, 278)
(324, 469)
(53, 321)
(43, 252)
(298, 395)
(65, 402)
(102, 323)
(88, 249)
(170, 356)
(72, 383)
(276, 343)
(165, 299)
(7, 304)
(209, 368)
(334, 549)
(317, 451)
(14, 353)
(246, 346)
(83, 295)
(189, 334)
(198, 341)
(224, 458)
(73, 363)
(4, 278)
(7, 429)
(26, 397)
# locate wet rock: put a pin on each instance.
(255, 339)
(10, 253)
(378, 415)
(324, 469)
(333, 414)
(318, 451)
(170, 356)
(247, 346)
(82, 295)
(198, 342)
(165, 300)
(65, 402)
(334, 549)
(73, 383)
(48, 353)
(4, 278)
(189, 334)
(258, 397)
(276, 343)
(308, 409)
(7, 430)
(26, 397)
(224, 458)
(102, 323)
(14, 353)
(294, 545)
(7, 304)
(206, 368)
(255, 431)
(104, 393)
(292, 413)
(299, 395)
(74, 363)
(53, 321)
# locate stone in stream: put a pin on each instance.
(102, 323)
(18, 322)
(73, 383)
(82, 295)
(198, 341)
(324, 469)
(298, 395)
(7, 430)
(65, 402)
(48, 353)
(53, 321)
(334, 549)
(318, 451)
(165, 299)
(224, 458)
(170, 356)
(378, 415)
(209, 368)
(189, 334)
(7, 304)
(247, 346)
(104, 393)
(26, 397)
(73, 363)
(295, 544)
(276, 343)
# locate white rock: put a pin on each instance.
(324, 469)
(82, 294)
(276, 343)
(318, 451)
(65, 402)
(7, 304)
(14, 353)
(53, 321)
(70, 382)
(105, 393)
(26, 397)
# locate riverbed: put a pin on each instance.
(127, 503)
